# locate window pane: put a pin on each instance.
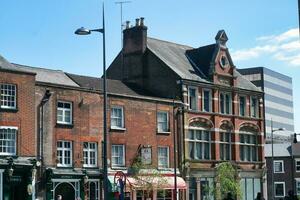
(206, 101)
(242, 105)
(192, 99)
(222, 102)
(8, 96)
(227, 103)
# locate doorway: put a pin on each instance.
(66, 190)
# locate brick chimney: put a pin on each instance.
(135, 38)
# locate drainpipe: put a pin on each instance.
(40, 145)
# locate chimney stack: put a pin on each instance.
(127, 24)
(135, 38)
(142, 21)
(137, 22)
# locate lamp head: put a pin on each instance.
(82, 31)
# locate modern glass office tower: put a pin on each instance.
(278, 99)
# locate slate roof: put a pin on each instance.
(174, 55)
(191, 63)
(48, 75)
(4, 64)
(280, 150)
(113, 86)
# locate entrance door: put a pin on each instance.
(66, 190)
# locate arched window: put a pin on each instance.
(199, 139)
(225, 140)
(248, 142)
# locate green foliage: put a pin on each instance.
(147, 177)
(227, 178)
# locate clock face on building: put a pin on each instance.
(146, 155)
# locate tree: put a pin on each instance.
(227, 180)
(147, 177)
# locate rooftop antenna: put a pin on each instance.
(122, 25)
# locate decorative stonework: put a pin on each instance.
(201, 123)
(224, 81)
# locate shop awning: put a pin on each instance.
(165, 182)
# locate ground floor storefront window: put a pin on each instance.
(201, 186)
(250, 187)
(164, 195)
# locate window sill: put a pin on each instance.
(60, 125)
(64, 167)
(279, 172)
(12, 110)
(119, 167)
(163, 133)
(90, 167)
(117, 129)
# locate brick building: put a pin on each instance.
(62, 126)
(224, 121)
(17, 132)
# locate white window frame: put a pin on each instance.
(15, 140)
(158, 122)
(245, 106)
(113, 117)
(168, 157)
(14, 101)
(224, 103)
(209, 99)
(282, 165)
(97, 182)
(113, 165)
(64, 112)
(256, 107)
(89, 150)
(279, 183)
(297, 188)
(202, 141)
(63, 149)
(297, 160)
(196, 98)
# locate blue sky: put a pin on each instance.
(261, 33)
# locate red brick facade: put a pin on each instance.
(23, 117)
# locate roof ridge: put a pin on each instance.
(22, 65)
(171, 42)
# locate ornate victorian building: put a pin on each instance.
(224, 117)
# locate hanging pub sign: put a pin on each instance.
(146, 155)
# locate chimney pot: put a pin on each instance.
(137, 22)
(127, 24)
(142, 21)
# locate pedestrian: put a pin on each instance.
(229, 196)
(259, 197)
(59, 197)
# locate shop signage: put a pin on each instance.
(146, 154)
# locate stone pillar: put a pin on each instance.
(198, 188)
(1, 184)
(187, 192)
(133, 194)
(154, 194)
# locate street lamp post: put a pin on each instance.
(84, 31)
(272, 156)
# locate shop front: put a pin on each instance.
(146, 187)
(73, 184)
(17, 178)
